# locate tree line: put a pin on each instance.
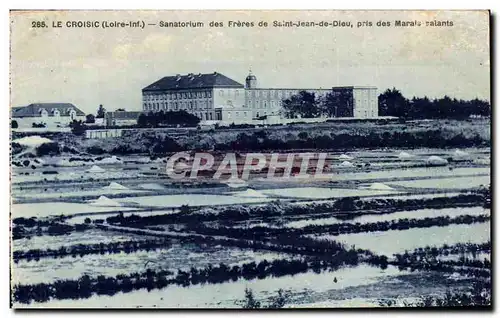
(390, 103)
(167, 119)
(393, 103)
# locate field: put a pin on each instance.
(389, 227)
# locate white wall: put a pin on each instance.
(51, 122)
(365, 102)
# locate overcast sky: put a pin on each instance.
(88, 66)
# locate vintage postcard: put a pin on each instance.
(250, 159)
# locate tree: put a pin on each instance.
(338, 104)
(303, 105)
(90, 119)
(14, 124)
(77, 127)
(392, 103)
(101, 111)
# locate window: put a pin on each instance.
(228, 115)
(245, 114)
(210, 116)
(221, 92)
(209, 94)
(256, 104)
(237, 114)
(265, 104)
(236, 93)
(272, 104)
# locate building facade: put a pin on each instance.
(50, 114)
(362, 101)
(121, 118)
(204, 95)
(217, 98)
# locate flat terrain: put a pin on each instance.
(201, 243)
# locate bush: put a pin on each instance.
(95, 150)
(39, 125)
(169, 118)
(14, 124)
(303, 135)
(90, 119)
(48, 149)
(77, 127)
(16, 148)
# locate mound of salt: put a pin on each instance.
(105, 201)
(236, 183)
(483, 161)
(345, 157)
(151, 186)
(66, 163)
(32, 141)
(346, 164)
(460, 153)
(111, 160)
(95, 169)
(404, 155)
(436, 161)
(379, 186)
(251, 193)
(115, 186)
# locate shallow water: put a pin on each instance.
(399, 241)
(170, 258)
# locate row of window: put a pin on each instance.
(177, 95)
(56, 113)
(264, 103)
(236, 115)
(222, 93)
(191, 105)
(207, 94)
(257, 114)
(281, 93)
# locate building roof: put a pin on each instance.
(192, 81)
(354, 87)
(288, 89)
(34, 110)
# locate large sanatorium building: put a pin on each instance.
(216, 97)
